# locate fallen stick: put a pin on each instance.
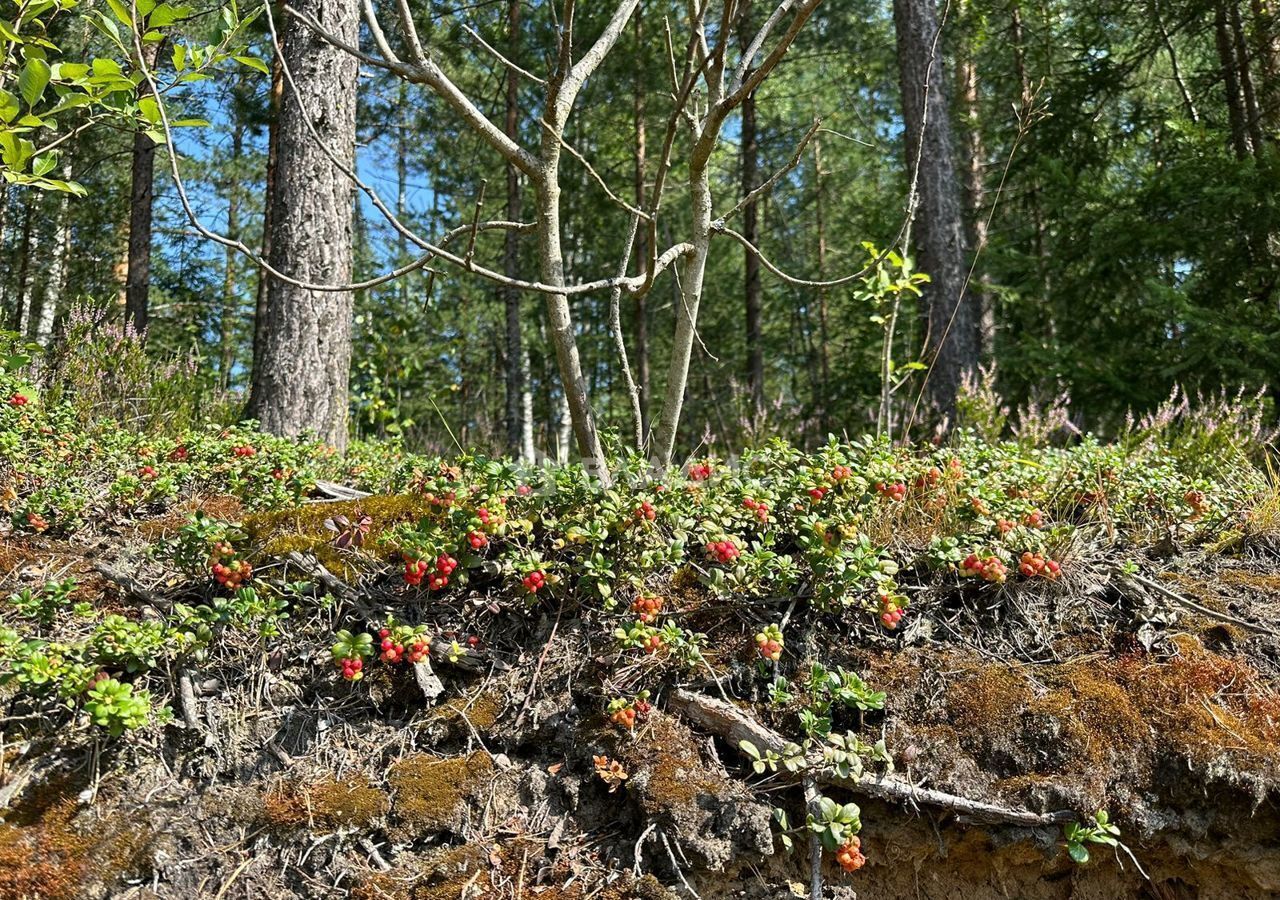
(1192, 605)
(733, 725)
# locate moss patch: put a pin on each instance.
(329, 804)
(429, 793)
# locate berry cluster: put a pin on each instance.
(16, 399)
(623, 712)
(1004, 526)
(840, 473)
(817, 493)
(393, 649)
(37, 522)
(647, 608)
(1034, 519)
(229, 571)
(652, 644)
(478, 540)
(178, 454)
(895, 491)
(243, 451)
(147, 473)
(1033, 564)
(417, 569)
(989, 568)
(849, 856)
(700, 471)
(769, 643)
(930, 478)
(352, 668)
(534, 581)
(759, 507)
(723, 552)
(891, 607)
(645, 512)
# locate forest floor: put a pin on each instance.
(535, 747)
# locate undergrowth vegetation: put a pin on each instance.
(729, 574)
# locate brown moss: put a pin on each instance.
(428, 793)
(329, 804)
(1205, 704)
(451, 873)
(482, 711)
(666, 765)
(53, 859)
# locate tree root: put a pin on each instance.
(734, 725)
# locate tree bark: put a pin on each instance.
(55, 285)
(23, 325)
(824, 314)
(519, 427)
(642, 239)
(751, 231)
(1266, 30)
(950, 324)
(1252, 116)
(141, 198)
(1231, 82)
(273, 159)
(975, 191)
(301, 383)
(230, 294)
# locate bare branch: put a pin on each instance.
(599, 179)
(721, 228)
(591, 60)
(410, 32)
(475, 224)
(615, 327)
(751, 50)
(425, 71)
(777, 176)
(502, 59)
(379, 37)
(757, 75)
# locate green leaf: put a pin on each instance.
(9, 107)
(121, 12)
(253, 63)
(150, 109)
(179, 57)
(33, 80)
(7, 32)
(44, 163)
(166, 14)
(1078, 852)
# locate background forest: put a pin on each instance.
(1113, 172)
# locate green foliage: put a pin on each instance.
(1100, 831)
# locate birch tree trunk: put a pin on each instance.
(55, 285)
(301, 382)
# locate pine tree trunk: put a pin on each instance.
(1231, 82)
(950, 323)
(751, 231)
(141, 199)
(230, 296)
(302, 380)
(1252, 116)
(824, 344)
(975, 191)
(1266, 31)
(273, 159)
